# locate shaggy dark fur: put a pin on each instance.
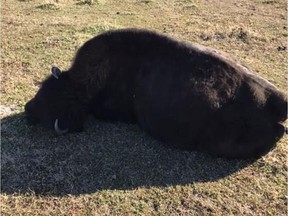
(187, 96)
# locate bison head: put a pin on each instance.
(59, 104)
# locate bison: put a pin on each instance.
(187, 96)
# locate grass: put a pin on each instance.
(116, 169)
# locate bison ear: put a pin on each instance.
(56, 72)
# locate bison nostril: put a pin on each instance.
(27, 107)
(31, 119)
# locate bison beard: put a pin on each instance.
(187, 96)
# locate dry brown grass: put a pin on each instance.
(115, 169)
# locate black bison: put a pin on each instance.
(188, 96)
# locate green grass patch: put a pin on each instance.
(49, 6)
(94, 30)
(86, 2)
(270, 1)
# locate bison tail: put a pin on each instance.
(277, 106)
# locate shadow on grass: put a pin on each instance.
(104, 156)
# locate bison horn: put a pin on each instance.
(58, 130)
(56, 72)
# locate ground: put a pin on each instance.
(115, 168)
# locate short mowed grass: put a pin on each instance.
(115, 168)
